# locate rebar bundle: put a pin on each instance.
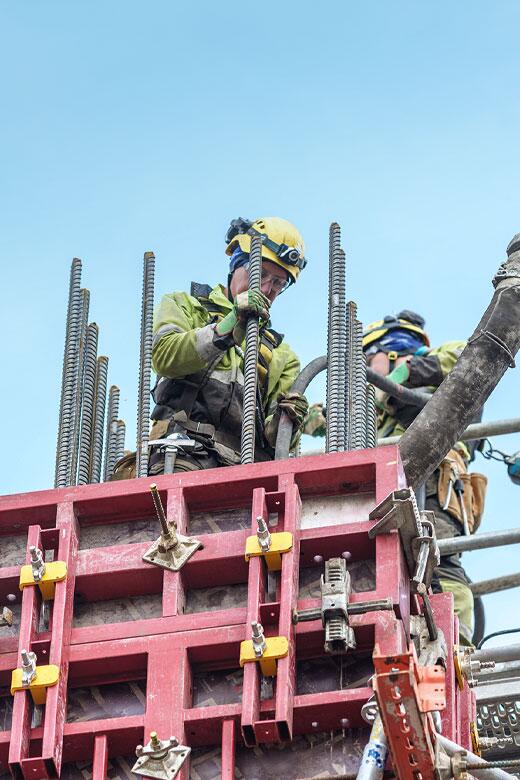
(99, 419)
(359, 365)
(78, 386)
(145, 366)
(88, 401)
(371, 416)
(70, 361)
(336, 345)
(111, 432)
(247, 443)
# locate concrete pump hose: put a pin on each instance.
(488, 354)
(315, 367)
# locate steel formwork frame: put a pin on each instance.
(163, 650)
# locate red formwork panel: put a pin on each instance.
(340, 490)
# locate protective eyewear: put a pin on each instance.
(278, 284)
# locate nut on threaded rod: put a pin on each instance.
(263, 535)
(37, 563)
(259, 643)
(28, 667)
(155, 742)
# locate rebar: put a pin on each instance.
(88, 402)
(159, 510)
(99, 418)
(111, 431)
(359, 365)
(336, 345)
(485, 773)
(78, 391)
(371, 416)
(120, 440)
(145, 366)
(247, 441)
(68, 372)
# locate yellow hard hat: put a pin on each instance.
(281, 242)
(406, 320)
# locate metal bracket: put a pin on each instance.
(171, 550)
(160, 758)
(265, 650)
(335, 592)
(468, 668)
(33, 678)
(399, 512)
(6, 617)
(278, 544)
(53, 572)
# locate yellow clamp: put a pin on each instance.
(276, 647)
(281, 542)
(55, 571)
(475, 743)
(46, 677)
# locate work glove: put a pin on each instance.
(296, 406)
(399, 376)
(250, 303)
(315, 423)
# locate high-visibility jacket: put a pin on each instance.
(200, 387)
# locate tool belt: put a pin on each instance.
(454, 467)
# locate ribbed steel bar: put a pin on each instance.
(88, 403)
(247, 440)
(359, 363)
(120, 440)
(479, 542)
(336, 345)
(111, 431)
(145, 365)
(85, 305)
(371, 416)
(473, 761)
(68, 372)
(350, 374)
(99, 418)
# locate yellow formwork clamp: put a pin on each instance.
(475, 742)
(33, 678)
(264, 650)
(55, 571)
(279, 543)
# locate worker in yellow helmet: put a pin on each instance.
(198, 354)
(399, 347)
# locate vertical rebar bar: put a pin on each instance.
(371, 416)
(360, 391)
(120, 440)
(350, 374)
(88, 403)
(78, 387)
(99, 418)
(145, 365)
(67, 387)
(336, 345)
(247, 442)
(111, 431)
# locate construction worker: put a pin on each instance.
(198, 354)
(399, 347)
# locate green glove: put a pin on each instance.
(250, 303)
(315, 424)
(399, 376)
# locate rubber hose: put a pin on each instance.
(315, 367)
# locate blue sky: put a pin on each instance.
(129, 127)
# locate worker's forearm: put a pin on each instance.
(179, 354)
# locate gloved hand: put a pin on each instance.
(399, 375)
(315, 423)
(250, 303)
(295, 405)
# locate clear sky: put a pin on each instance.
(131, 126)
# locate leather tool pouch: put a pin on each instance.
(454, 467)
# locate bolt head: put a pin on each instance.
(344, 723)
(346, 555)
(318, 559)
(11, 597)
(314, 724)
